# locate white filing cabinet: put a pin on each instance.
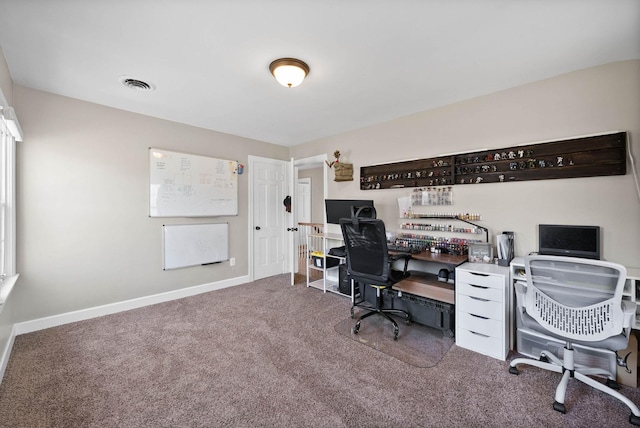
(482, 308)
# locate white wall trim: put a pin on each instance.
(6, 285)
(98, 311)
(6, 353)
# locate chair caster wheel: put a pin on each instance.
(614, 385)
(559, 407)
(513, 370)
(356, 329)
(635, 420)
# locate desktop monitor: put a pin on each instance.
(567, 240)
(342, 208)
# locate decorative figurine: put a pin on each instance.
(336, 155)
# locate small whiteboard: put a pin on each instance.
(195, 244)
(184, 185)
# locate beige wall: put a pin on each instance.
(84, 233)
(594, 100)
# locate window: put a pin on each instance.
(9, 130)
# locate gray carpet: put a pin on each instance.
(266, 354)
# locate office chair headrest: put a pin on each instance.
(361, 212)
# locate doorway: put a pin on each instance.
(270, 249)
(311, 191)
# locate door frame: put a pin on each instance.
(309, 162)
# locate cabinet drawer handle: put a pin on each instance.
(482, 300)
(479, 274)
(478, 334)
(479, 316)
(479, 286)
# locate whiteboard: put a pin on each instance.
(195, 244)
(184, 185)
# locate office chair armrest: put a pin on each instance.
(521, 289)
(396, 257)
(628, 313)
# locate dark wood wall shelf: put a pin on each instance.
(592, 156)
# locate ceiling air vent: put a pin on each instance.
(132, 83)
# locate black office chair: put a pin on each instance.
(369, 263)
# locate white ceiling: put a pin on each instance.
(371, 60)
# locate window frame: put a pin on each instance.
(8, 274)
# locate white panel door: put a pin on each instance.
(269, 228)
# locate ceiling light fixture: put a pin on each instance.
(289, 72)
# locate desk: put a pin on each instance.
(422, 284)
(425, 284)
(429, 302)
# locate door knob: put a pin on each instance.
(257, 227)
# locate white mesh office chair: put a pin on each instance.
(578, 301)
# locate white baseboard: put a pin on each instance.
(98, 311)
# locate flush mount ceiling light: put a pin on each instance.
(132, 83)
(289, 72)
